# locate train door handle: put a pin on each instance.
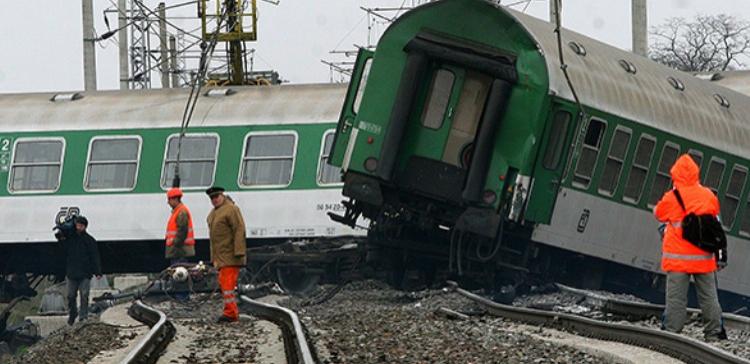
(347, 124)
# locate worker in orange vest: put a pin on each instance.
(681, 259)
(180, 241)
(226, 229)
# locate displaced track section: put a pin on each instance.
(640, 310)
(203, 340)
(156, 340)
(686, 349)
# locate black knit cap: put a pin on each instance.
(82, 220)
(215, 190)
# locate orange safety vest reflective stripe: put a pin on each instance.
(172, 226)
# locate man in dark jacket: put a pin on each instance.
(82, 261)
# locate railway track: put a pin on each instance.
(152, 345)
(640, 310)
(678, 346)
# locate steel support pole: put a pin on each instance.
(164, 51)
(640, 27)
(173, 61)
(552, 10)
(89, 52)
(122, 21)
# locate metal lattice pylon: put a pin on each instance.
(140, 62)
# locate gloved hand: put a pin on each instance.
(721, 259)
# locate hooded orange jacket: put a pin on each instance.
(678, 254)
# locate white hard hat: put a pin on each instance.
(180, 274)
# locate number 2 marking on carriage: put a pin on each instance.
(4, 154)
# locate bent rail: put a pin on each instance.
(640, 310)
(684, 348)
(295, 343)
(161, 333)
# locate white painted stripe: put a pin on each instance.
(349, 149)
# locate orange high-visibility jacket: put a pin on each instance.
(678, 254)
(172, 226)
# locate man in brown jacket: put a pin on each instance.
(227, 234)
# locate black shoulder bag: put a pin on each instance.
(704, 231)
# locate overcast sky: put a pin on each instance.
(42, 48)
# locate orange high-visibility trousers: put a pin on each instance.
(227, 282)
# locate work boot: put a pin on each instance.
(71, 320)
(721, 335)
(223, 319)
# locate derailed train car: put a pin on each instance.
(461, 138)
(111, 155)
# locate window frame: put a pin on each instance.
(703, 181)
(88, 161)
(596, 160)
(616, 185)
(444, 114)
(13, 164)
(647, 168)
(215, 159)
(243, 158)
(320, 159)
(667, 143)
(738, 198)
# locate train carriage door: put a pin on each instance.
(550, 165)
(351, 107)
(442, 128)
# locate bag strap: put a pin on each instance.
(679, 199)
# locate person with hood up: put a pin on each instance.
(682, 260)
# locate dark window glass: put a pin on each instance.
(36, 165)
(697, 157)
(590, 151)
(437, 99)
(197, 161)
(268, 160)
(712, 179)
(639, 170)
(326, 172)
(112, 163)
(556, 140)
(617, 150)
(663, 179)
(732, 196)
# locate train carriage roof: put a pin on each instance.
(647, 96)
(161, 108)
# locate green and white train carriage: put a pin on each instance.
(111, 155)
(466, 123)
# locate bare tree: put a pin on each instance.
(705, 44)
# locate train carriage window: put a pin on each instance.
(713, 177)
(612, 169)
(327, 174)
(559, 129)
(639, 170)
(663, 179)
(745, 223)
(112, 163)
(268, 159)
(587, 161)
(197, 160)
(437, 99)
(732, 196)
(36, 165)
(361, 86)
(697, 156)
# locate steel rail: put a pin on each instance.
(295, 343)
(161, 333)
(683, 348)
(639, 310)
